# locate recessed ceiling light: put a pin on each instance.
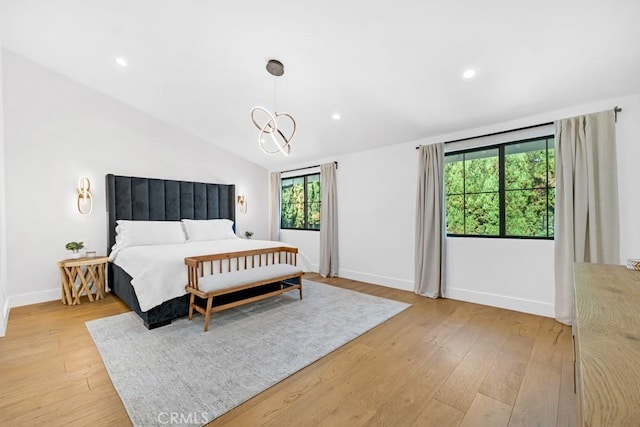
(468, 74)
(335, 116)
(121, 61)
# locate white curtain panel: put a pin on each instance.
(430, 223)
(328, 221)
(586, 212)
(275, 188)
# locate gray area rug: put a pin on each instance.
(180, 375)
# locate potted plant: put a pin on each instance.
(74, 247)
(248, 234)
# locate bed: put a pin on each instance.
(134, 199)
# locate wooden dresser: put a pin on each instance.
(607, 345)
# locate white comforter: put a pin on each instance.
(159, 272)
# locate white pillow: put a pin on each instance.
(142, 233)
(208, 229)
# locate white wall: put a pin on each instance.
(4, 307)
(376, 198)
(376, 215)
(57, 130)
(628, 145)
(308, 244)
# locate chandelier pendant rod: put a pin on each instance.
(275, 97)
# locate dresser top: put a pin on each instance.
(607, 329)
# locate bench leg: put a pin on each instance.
(207, 314)
(192, 299)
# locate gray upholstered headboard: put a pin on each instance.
(149, 199)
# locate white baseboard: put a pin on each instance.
(314, 268)
(5, 318)
(391, 282)
(510, 303)
(33, 297)
(494, 300)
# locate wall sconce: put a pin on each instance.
(242, 202)
(85, 201)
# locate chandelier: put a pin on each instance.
(277, 129)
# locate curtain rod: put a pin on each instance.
(307, 167)
(616, 110)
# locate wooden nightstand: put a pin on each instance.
(82, 275)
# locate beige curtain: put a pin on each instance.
(586, 212)
(328, 221)
(430, 223)
(274, 205)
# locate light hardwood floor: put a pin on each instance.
(440, 363)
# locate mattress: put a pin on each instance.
(159, 273)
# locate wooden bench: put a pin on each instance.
(211, 276)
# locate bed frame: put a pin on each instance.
(149, 199)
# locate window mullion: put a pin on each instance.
(547, 184)
(464, 194)
(501, 191)
(306, 205)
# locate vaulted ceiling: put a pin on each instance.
(392, 70)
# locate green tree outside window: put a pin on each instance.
(502, 191)
(301, 202)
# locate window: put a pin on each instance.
(301, 202)
(506, 190)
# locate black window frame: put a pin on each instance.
(306, 202)
(501, 187)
